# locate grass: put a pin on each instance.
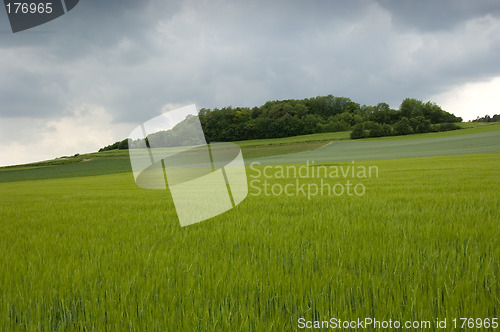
(98, 253)
(99, 166)
(83, 248)
(337, 136)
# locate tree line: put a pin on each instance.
(487, 118)
(286, 118)
(276, 119)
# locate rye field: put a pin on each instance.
(83, 248)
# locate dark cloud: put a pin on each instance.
(26, 93)
(431, 15)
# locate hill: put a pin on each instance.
(322, 114)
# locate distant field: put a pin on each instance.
(98, 253)
(99, 166)
(440, 145)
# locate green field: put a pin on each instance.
(393, 148)
(83, 248)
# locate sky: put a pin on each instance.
(89, 77)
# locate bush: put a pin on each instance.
(376, 130)
(358, 131)
(387, 130)
(334, 126)
(446, 127)
(420, 125)
(123, 144)
(403, 127)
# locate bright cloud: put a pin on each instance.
(472, 99)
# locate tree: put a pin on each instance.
(487, 118)
(310, 123)
(358, 131)
(387, 130)
(345, 117)
(388, 116)
(334, 125)
(402, 127)
(123, 144)
(420, 125)
(436, 114)
(375, 130)
(411, 107)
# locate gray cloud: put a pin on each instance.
(430, 15)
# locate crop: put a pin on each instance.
(97, 253)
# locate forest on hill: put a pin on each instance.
(320, 114)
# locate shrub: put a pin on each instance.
(446, 126)
(402, 127)
(358, 131)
